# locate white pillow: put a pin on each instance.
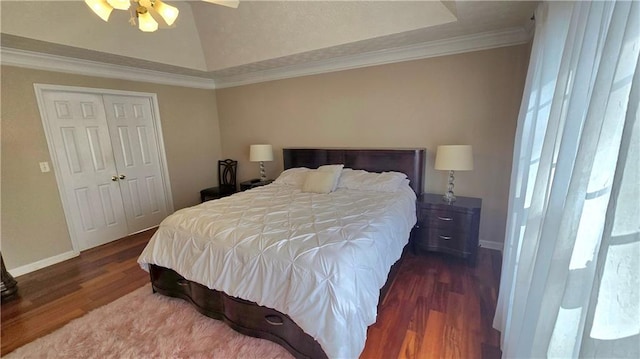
(293, 176)
(371, 181)
(318, 182)
(336, 170)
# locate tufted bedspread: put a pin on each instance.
(319, 258)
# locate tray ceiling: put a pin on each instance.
(216, 42)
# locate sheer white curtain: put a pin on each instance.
(570, 276)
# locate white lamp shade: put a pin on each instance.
(100, 7)
(146, 22)
(454, 158)
(168, 12)
(259, 153)
(120, 4)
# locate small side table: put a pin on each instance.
(448, 228)
(210, 193)
(253, 184)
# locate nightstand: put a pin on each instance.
(448, 228)
(253, 184)
(211, 193)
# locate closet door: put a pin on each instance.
(135, 149)
(80, 136)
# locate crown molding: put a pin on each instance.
(456, 45)
(42, 61)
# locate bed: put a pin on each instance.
(277, 289)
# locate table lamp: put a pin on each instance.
(453, 158)
(261, 153)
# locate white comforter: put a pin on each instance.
(320, 258)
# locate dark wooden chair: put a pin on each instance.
(227, 170)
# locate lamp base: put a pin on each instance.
(263, 176)
(449, 197)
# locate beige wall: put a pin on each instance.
(33, 225)
(470, 98)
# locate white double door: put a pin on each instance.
(108, 160)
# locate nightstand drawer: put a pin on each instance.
(446, 219)
(447, 238)
(439, 240)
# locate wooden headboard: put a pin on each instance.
(408, 161)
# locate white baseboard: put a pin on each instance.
(28, 268)
(491, 245)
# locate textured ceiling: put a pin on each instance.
(261, 30)
(212, 41)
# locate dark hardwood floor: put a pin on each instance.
(437, 307)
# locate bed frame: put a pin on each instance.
(262, 322)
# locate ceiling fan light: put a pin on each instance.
(146, 22)
(100, 7)
(120, 4)
(168, 12)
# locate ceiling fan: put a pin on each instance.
(141, 10)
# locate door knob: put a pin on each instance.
(123, 176)
(114, 178)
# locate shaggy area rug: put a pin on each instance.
(146, 325)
